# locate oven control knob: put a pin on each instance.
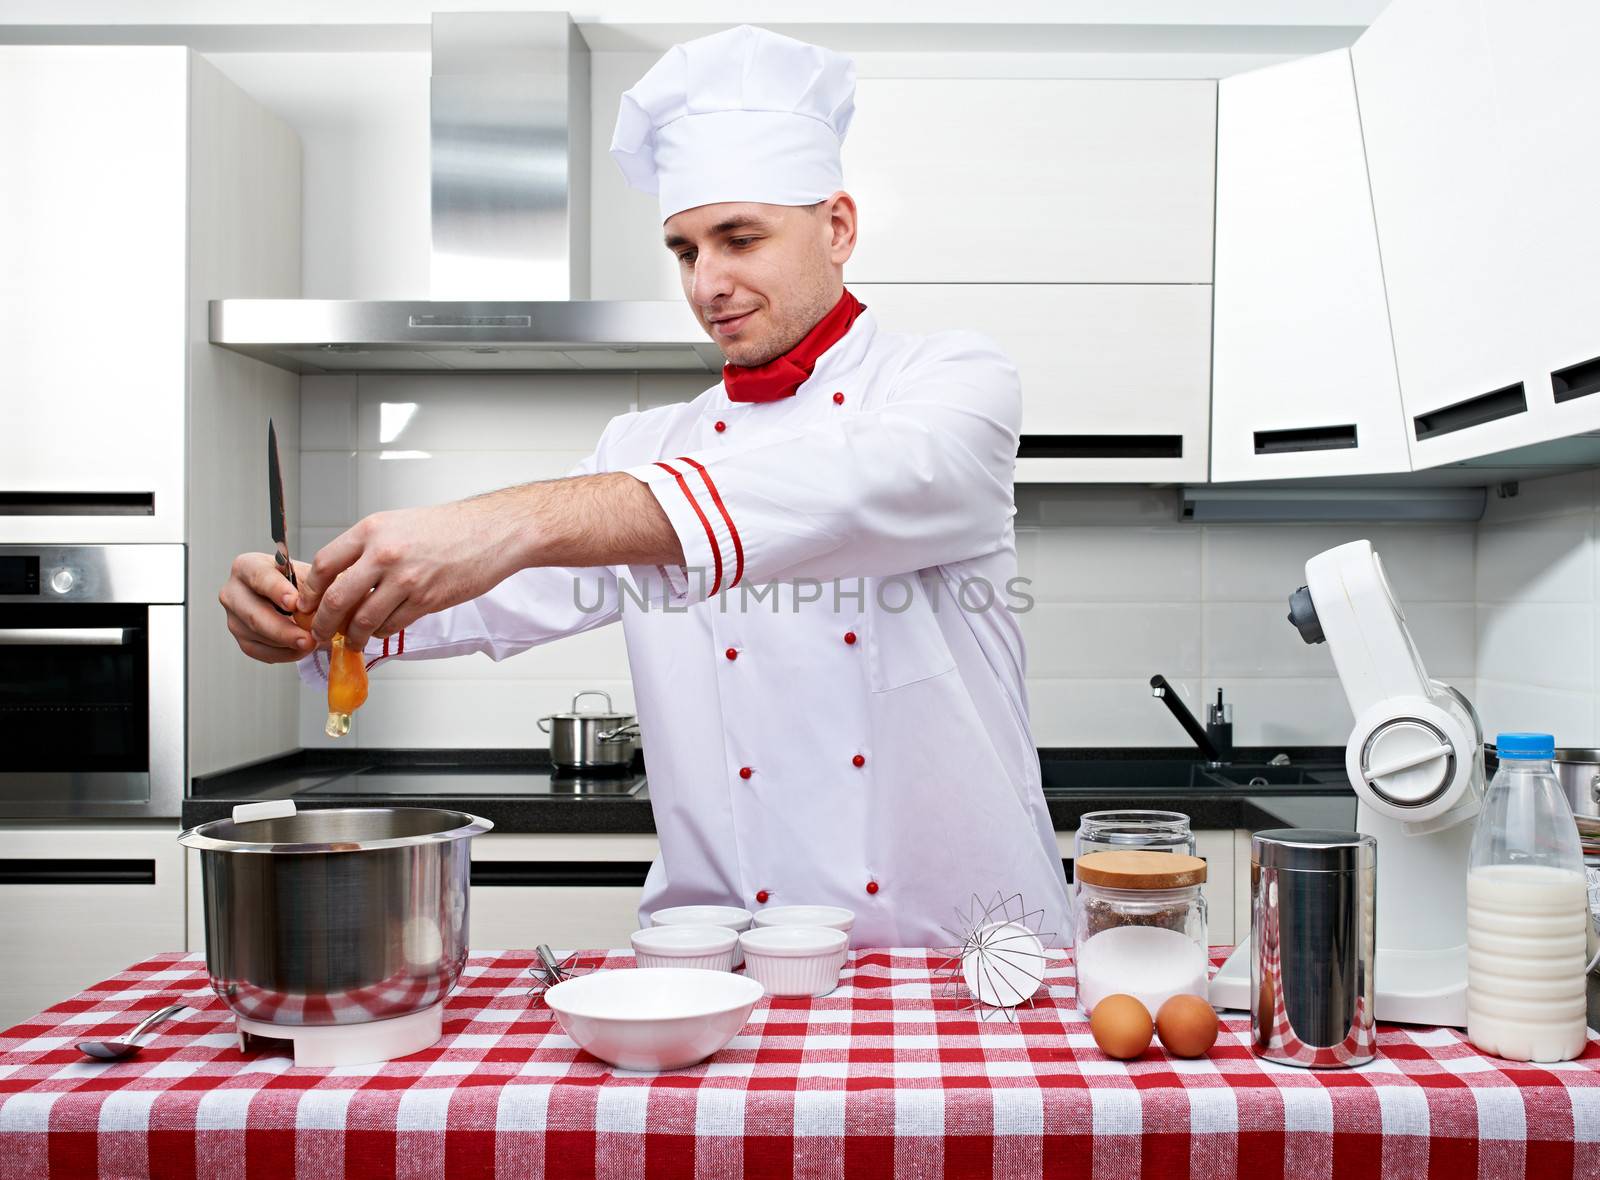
(62, 581)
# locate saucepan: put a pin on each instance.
(338, 916)
(591, 740)
(1579, 774)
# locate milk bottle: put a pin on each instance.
(1527, 912)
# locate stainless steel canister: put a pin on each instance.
(1312, 909)
(336, 916)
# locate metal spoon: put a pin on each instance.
(117, 1050)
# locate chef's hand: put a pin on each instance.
(253, 585)
(387, 571)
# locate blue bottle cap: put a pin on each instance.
(1525, 745)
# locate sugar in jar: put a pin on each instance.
(1140, 927)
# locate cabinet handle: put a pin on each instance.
(1475, 411)
(569, 874)
(1100, 446)
(1577, 380)
(1306, 438)
(77, 503)
(63, 871)
(63, 636)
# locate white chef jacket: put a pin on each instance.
(823, 720)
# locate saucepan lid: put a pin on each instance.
(577, 714)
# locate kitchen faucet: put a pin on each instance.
(1215, 739)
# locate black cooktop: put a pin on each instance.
(418, 781)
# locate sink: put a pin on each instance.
(1173, 776)
(1253, 777)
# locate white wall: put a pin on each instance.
(1538, 600)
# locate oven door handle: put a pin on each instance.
(64, 636)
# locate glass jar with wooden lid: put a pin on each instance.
(1140, 927)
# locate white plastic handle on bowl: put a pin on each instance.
(270, 809)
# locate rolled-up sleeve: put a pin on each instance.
(531, 607)
(924, 479)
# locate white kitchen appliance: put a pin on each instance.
(1415, 759)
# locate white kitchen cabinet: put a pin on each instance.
(1303, 376)
(1480, 122)
(1115, 378)
(1216, 848)
(92, 265)
(570, 892)
(1032, 180)
(78, 904)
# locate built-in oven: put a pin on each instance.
(91, 681)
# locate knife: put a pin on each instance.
(279, 522)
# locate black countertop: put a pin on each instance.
(1310, 791)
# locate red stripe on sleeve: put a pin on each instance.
(738, 546)
(716, 550)
(400, 640)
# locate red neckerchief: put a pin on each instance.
(781, 376)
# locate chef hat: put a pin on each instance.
(743, 115)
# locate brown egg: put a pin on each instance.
(1121, 1026)
(1187, 1025)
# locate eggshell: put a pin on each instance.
(1121, 1026)
(1187, 1026)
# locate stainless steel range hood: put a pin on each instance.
(509, 275)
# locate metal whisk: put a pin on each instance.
(999, 958)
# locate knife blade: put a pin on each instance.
(279, 521)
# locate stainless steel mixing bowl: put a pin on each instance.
(337, 916)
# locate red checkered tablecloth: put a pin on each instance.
(884, 1076)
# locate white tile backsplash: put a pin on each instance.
(1264, 563)
(1509, 707)
(1542, 644)
(475, 413)
(413, 479)
(328, 412)
(1537, 561)
(1131, 564)
(327, 488)
(1108, 640)
(1291, 711)
(1123, 588)
(1105, 712)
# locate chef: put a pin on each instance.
(810, 561)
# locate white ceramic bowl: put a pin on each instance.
(832, 916)
(653, 1017)
(709, 948)
(795, 960)
(730, 916)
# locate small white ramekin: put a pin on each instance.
(729, 916)
(709, 948)
(794, 960)
(831, 916)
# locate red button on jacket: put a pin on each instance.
(761, 898)
(745, 772)
(721, 426)
(849, 636)
(858, 760)
(872, 887)
(838, 399)
(732, 653)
